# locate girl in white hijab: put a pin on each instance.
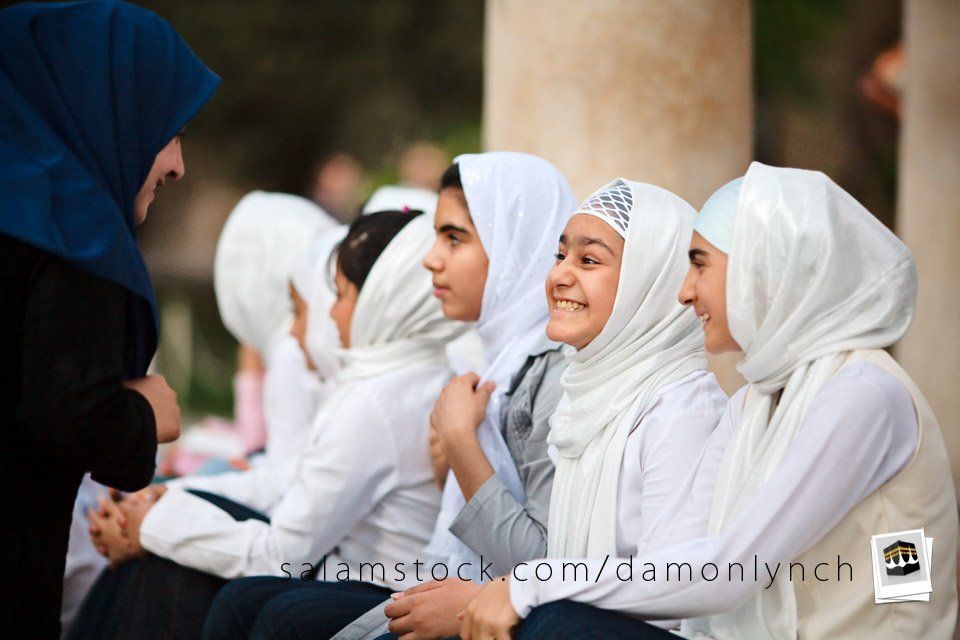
(829, 443)
(638, 404)
(257, 254)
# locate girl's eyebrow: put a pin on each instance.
(585, 241)
(697, 254)
(452, 228)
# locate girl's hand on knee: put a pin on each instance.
(490, 614)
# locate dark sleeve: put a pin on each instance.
(73, 406)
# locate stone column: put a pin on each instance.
(928, 215)
(658, 91)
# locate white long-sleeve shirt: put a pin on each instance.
(291, 395)
(859, 431)
(363, 493)
(661, 451)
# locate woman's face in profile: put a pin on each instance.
(168, 165)
(705, 289)
(298, 329)
(342, 309)
(457, 260)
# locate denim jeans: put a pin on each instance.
(567, 620)
(271, 607)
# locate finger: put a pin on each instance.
(489, 387)
(470, 378)
(400, 626)
(426, 586)
(398, 608)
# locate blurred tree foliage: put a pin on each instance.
(303, 78)
(785, 32)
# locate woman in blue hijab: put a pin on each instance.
(93, 99)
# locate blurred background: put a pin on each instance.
(331, 99)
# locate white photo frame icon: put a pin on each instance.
(901, 564)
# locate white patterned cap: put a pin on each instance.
(612, 204)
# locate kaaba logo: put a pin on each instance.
(901, 559)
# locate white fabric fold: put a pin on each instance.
(518, 204)
(650, 340)
(260, 243)
(812, 276)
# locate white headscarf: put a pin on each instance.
(650, 340)
(811, 276)
(518, 204)
(397, 321)
(258, 248)
(311, 277)
(399, 198)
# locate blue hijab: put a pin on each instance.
(90, 92)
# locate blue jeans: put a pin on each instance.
(271, 607)
(567, 620)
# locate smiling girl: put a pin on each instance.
(638, 404)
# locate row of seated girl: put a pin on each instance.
(423, 504)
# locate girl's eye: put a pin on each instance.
(587, 260)
(454, 240)
(559, 256)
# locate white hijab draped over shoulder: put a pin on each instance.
(650, 340)
(518, 204)
(811, 276)
(258, 248)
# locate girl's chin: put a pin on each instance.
(571, 338)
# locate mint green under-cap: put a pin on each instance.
(715, 220)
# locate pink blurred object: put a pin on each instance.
(217, 437)
(249, 420)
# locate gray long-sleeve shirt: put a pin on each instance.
(493, 524)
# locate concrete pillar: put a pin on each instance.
(658, 91)
(928, 215)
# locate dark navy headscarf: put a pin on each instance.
(90, 92)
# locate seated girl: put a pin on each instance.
(256, 256)
(828, 444)
(362, 502)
